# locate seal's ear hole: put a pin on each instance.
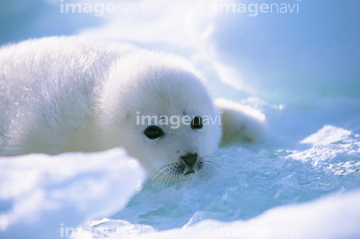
(153, 132)
(196, 123)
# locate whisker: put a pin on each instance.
(155, 176)
(173, 174)
(209, 167)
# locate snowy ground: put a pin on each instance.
(300, 69)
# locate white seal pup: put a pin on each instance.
(61, 94)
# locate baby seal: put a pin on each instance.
(62, 94)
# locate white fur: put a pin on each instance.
(240, 122)
(63, 94)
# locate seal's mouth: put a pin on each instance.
(190, 169)
(178, 171)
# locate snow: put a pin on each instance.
(300, 70)
(280, 58)
(39, 194)
(327, 135)
(339, 217)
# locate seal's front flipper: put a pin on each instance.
(240, 122)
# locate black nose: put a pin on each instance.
(189, 159)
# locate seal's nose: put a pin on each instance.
(190, 159)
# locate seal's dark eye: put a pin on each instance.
(153, 132)
(196, 123)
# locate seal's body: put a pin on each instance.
(63, 94)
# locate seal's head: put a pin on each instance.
(157, 107)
